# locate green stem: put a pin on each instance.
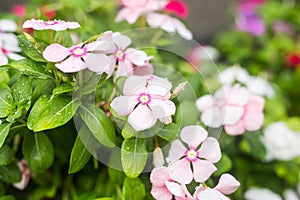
(156, 37)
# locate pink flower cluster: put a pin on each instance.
(133, 9)
(234, 107)
(200, 152)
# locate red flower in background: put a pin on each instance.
(177, 7)
(49, 13)
(19, 10)
(293, 60)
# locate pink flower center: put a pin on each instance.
(78, 51)
(4, 51)
(191, 154)
(144, 98)
(119, 54)
(51, 23)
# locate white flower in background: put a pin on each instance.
(281, 142)
(0, 121)
(200, 54)
(9, 45)
(254, 84)
(290, 195)
(7, 25)
(261, 194)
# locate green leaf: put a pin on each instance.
(169, 132)
(42, 87)
(31, 68)
(128, 131)
(252, 145)
(187, 113)
(6, 155)
(22, 91)
(10, 173)
(224, 165)
(133, 189)
(4, 130)
(99, 124)
(133, 156)
(79, 156)
(6, 101)
(63, 38)
(38, 151)
(48, 113)
(7, 197)
(63, 88)
(30, 49)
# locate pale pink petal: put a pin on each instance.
(182, 30)
(168, 24)
(237, 95)
(121, 41)
(204, 102)
(187, 193)
(213, 117)
(162, 108)
(133, 3)
(210, 150)
(159, 175)
(10, 42)
(141, 118)
(155, 19)
(203, 169)
(236, 129)
(255, 103)
(125, 68)
(135, 56)
(161, 193)
(211, 194)
(133, 84)
(15, 56)
(233, 114)
(175, 189)
(159, 86)
(3, 59)
(24, 181)
(98, 63)
(181, 171)
(227, 184)
(7, 25)
(56, 53)
(176, 151)
(70, 65)
(124, 105)
(98, 46)
(34, 24)
(253, 120)
(143, 70)
(193, 135)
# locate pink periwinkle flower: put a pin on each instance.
(226, 107)
(9, 46)
(163, 187)
(177, 7)
(251, 22)
(227, 185)
(57, 25)
(246, 6)
(126, 58)
(252, 118)
(26, 174)
(145, 100)
(19, 10)
(7, 25)
(133, 9)
(201, 152)
(169, 24)
(79, 57)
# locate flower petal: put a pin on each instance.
(56, 53)
(141, 118)
(125, 68)
(204, 102)
(227, 184)
(182, 30)
(213, 117)
(159, 86)
(162, 108)
(235, 129)
(70, 65)
(133, 84)
(210, 150)
(253, 120)
(175, 189)
(203, 169)
(193, 135)
(3, 59)
(121, 41)
(136, 56)
(7, 25)
(176, 151)
(143, 70)
(124, 105)
(15, 56)
(155, 19)
(98, 46)
(181, 171)
(98, 63)
(211, 194)
(159, 175)
(161, 193)
(233, 114)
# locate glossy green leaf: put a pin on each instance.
(22, 92)
(30, 49)
(169, 132)
(4, 130)
(6, 155)
(99, 124)
(133, 189)
(42, 87)
(63, 88)
(31, 68)
(133, 156)
(224, 165)
(48, 113)
(79, 155)
(7, 197)
(10, 173)
(128, 131)
(63, 38)
(38, 151)
(6, 101)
